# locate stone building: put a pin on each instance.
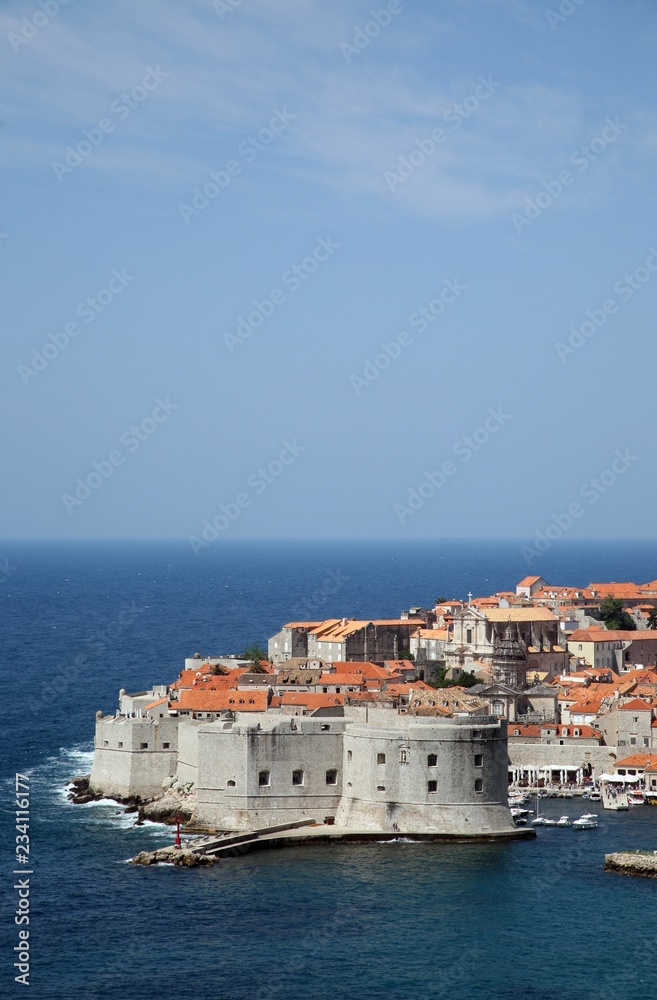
(475, 635)
(344, 639)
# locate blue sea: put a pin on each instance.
(394, 921)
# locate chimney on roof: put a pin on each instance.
(344, 621)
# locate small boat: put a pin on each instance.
(594, 795)
(541, 821)
(635, 799)
(564, 821)
(589, 821)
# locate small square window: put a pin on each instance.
(297, 777)
(120, 745)
(479, 760)
(332, 777)
(263, 778)
(143, 746)
(479, 785)
(105, 743)
(432, 760)
(380, 758)
(380, 788)
(165, 746)
(230, 784)
(325, 728)
(432, 786)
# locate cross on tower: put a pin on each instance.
(469, 598)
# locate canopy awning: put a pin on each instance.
(619, 777)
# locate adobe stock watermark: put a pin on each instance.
(88, 310)
(94, 137)
(6, 569)
(453, 118)
(625, 288)
(364, 35)
(31, 26)
(56, 685)
(420, 320)
(581, 158)
(293, 278)
(258, 482)
(223, 7)
(132, 440)
(565, 10)
(247, 150)
(332, 583)
(591, 491)
(464, 449)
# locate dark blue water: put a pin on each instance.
(378, 922)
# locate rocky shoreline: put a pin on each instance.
(179, 856)
(175, 801)
(632, 863)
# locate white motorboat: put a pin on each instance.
(564, 821)
(635, 799)
(589, 821)
(594, 795)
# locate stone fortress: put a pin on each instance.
(372, 769)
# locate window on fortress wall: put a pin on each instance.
(331, 777)
(380, 758)
(143, 746)
(350, 755)
(432, 786)
(105, 743)
(263, 778)
(479, 785)
(230, 784)
(120, 745)
(325, 728)
(380, 788)
(476, 734)
(479, 760)
(297, 777)
(432, 760)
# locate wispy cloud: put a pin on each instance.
(225, 76)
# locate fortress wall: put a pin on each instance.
(386, 781)
(240, 752)
(188, 751)
(133, 756)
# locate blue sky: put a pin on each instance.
(440, 221)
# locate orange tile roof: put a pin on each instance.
(153, 704)
(647, 760)
(523, 730)
(636, 705)
(615, 589)
(221, 701)
(311, 700)
(528, 581)
(520, 615)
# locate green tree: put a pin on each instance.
(652, 618)
(255, 654)
(219, 670)
(613, 615)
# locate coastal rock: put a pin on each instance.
(629, 863)
(181, 857)
(79, 791)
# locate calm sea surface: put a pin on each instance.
(379, 922)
